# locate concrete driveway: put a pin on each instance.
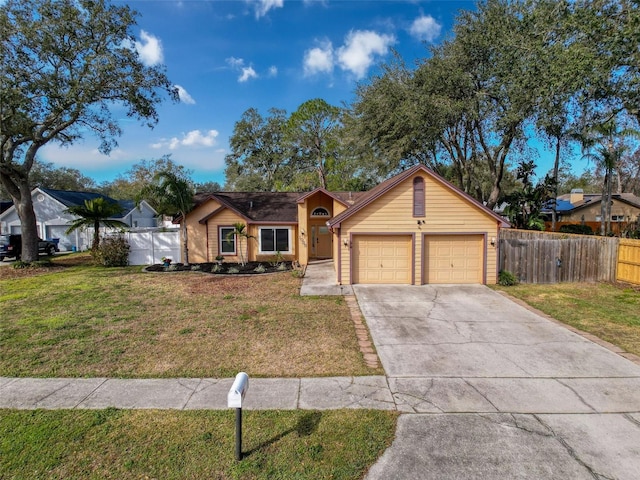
(498, 392)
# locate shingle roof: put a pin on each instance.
(262, 207)
(70, 199)
(258, 206)
(564, 205)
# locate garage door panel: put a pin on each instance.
(454, 259)
(382, 259)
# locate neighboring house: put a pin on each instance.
(52, 221)
(582, 208)
(414, 228)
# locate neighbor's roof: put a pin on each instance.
(564, 205)
(71, 198)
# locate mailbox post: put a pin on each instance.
(234, 400)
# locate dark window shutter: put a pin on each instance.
(418, 197)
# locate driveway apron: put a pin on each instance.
(497, 391)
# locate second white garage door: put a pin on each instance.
(381, 259)
(453, 259)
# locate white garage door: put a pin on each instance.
(453, 259)
(59, 231)
(381, 259)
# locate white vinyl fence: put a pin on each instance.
(147, 247)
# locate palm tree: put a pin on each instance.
(604, 143)
(174, 196)
(240, 232)
(94, 213)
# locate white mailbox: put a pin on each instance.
(238, 390)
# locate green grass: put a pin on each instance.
(119, 444)
(88, 321)
(611, 312)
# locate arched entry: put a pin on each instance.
(321, 238)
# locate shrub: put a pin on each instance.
(507, 279)
(276, 260)
(112, 252)
(576, 228)
(233, 270)
(196, 268)
(260, 269)
(216, 268)
(37, 264)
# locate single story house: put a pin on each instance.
(582, 208)
(52, 221)
(414, 228)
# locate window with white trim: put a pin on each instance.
(274, 239)
(227, 241)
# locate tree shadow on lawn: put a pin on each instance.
(305, 426)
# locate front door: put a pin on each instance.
(320, 241)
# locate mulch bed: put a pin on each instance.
(251, 268)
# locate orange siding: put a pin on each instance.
(197, 232)
(225, 218)
(446, 212)
(303, 235)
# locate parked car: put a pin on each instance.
(11, 246)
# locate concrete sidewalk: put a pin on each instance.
(320, 279)
(403, 394)
(195, 393)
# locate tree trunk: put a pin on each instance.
(556, 167)
(185, 243)
(608, 205)
(24, 207)
(96, 236)
(603, 207)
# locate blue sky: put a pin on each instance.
(228, 56)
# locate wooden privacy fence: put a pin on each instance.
(629, 261)
(543, 257)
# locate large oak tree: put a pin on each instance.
(65, 65)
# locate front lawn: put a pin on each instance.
(79, 320)
(611, 312)
(139, 444)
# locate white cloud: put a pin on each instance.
(247, 73)
(194, 138)
(149, 49)
(262, 7)
(319, 59)
(184, 95)
(273, 71)
(425, 28)
(234, 62)
(360, 48)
